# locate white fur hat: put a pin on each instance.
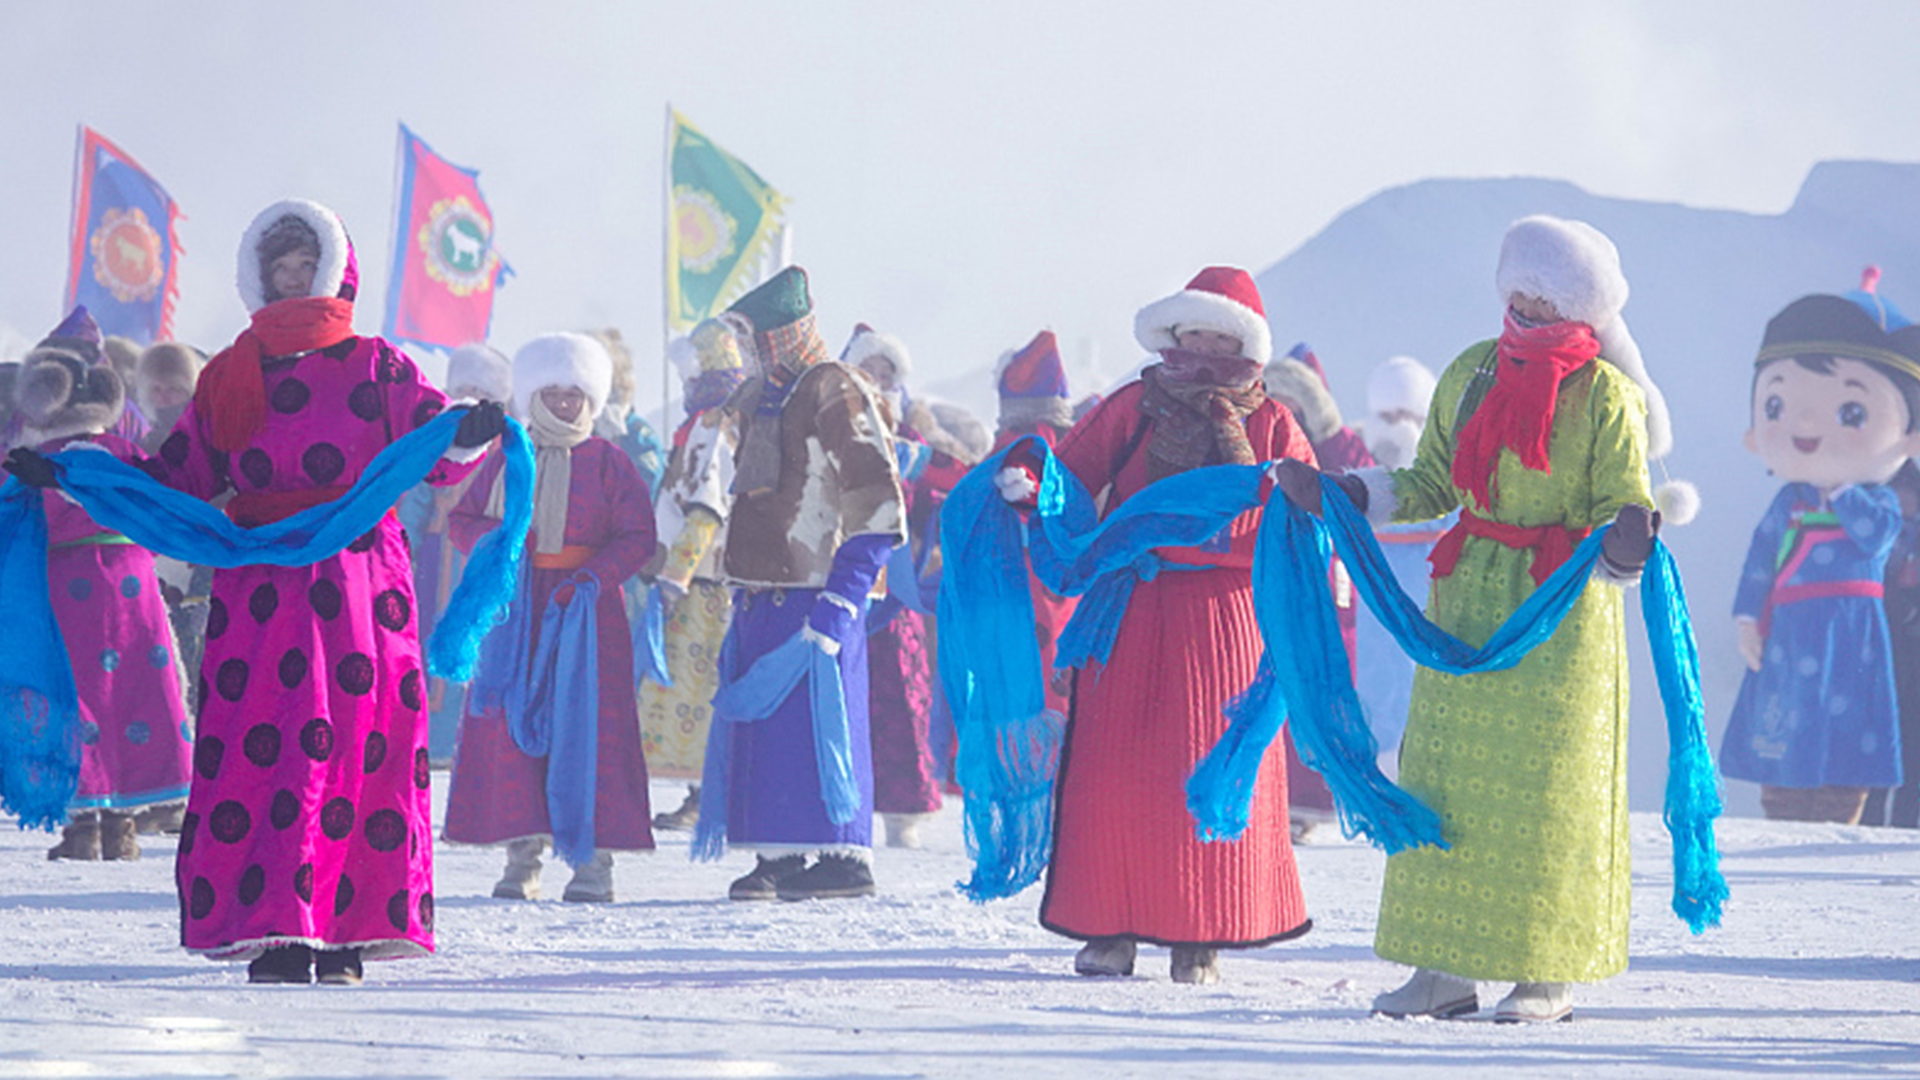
(1220, 298)
(562, 359)
(336, 251)
(1401, 384)
(868, 342)
(1299, 388)
(482, 367)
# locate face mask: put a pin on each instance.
(1210, 369)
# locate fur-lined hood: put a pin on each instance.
(59, 394)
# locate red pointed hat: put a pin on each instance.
(1220, 298)
(1034, 370)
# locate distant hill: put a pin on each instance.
(1410, 270)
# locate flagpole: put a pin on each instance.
(666, 270)
(74, 224)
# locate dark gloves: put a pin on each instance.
(32, 468)
(1630, 541)
(482, 424)
(1300, 483)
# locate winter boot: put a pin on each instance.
(903, 830)
(1192, 964)
(1430, 993)
(156, 820)
(337, 967)
(1106, 956)
(521, 881)
(592, 881)
(763, 883)
(80, 840)
(117, 836)
(683, 819)
(836, 876)
(282, 964)
(1536, 1003)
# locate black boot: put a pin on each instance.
(337, 967)
(764, 881)
(834, 877)
(282, 964)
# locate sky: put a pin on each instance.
(962, 175)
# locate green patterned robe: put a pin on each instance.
(1527, 768)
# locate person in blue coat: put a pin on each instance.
(1836, 412)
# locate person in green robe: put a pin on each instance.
(1536, 445)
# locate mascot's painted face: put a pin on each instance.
(1845, 425)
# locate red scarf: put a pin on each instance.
(1517, 413)
(232, 392)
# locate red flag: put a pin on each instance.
(445, 269)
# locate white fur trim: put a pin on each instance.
(482, 367)
(1571, 264)
(562, 359)
(1154, 326)
(1678, 500)
(1612, 575)
(1298, 388)
(870, 343)
(820, 641)
(1381, 501)
(1618, 348)
(334, 246)
(460, 455)
(1400, 384)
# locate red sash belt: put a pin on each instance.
(252, 509)
(1552, 545)
(1816, 590)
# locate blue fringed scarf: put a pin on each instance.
(39, 707)
(553, 712)
(1221, 787)
(754, 695)
(650, 641)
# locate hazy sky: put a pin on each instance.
(961, 174)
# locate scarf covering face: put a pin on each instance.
(231, 395)
(784, 354)
(1198, 422)
(1517, 413)
(553, 443)
(711, 389)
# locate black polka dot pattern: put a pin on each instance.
(229, 823)
(175, 450)
(355, 674)
(397, 910)
(303, 883)
(394, 368)
(426, 411)
(367, 401)
(189, 832)
(422, 769)
(410, 691)
(426, 912)
(325, 598)
(323, 463)
(385, 830)
(285, 809)
(316, 739)
(392, 610)
(207, 753)
(253, 882)
(340, 350)
(262, 745)
(336, 818)
(375, 754)
(257, 467)
(264, 601)
(343, 895)
(216, 618)
(290, 397)
(364, 543)
(231, 679)
(200, 898)
(293, 668)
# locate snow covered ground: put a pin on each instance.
(1817, 973)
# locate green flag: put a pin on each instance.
(721, 223)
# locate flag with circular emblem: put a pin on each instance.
(124, 258)
(723, 226)
(445, 267)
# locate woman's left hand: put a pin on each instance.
(482, 424)
(1630, 541)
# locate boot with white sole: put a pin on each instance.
(592, 881)
(1536, 1003)
(1430, 993)
(521, 879)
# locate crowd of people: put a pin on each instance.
(749, 606)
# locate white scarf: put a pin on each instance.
(553, 443)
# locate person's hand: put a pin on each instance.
(1299, 482)
(482, 423)
(32, 468)
(1752, 646)
(1017, 485)
(1630, 541)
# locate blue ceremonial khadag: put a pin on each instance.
(556, 717)
(1008, 752)
(39, 707)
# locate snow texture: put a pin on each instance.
(1814, 974)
